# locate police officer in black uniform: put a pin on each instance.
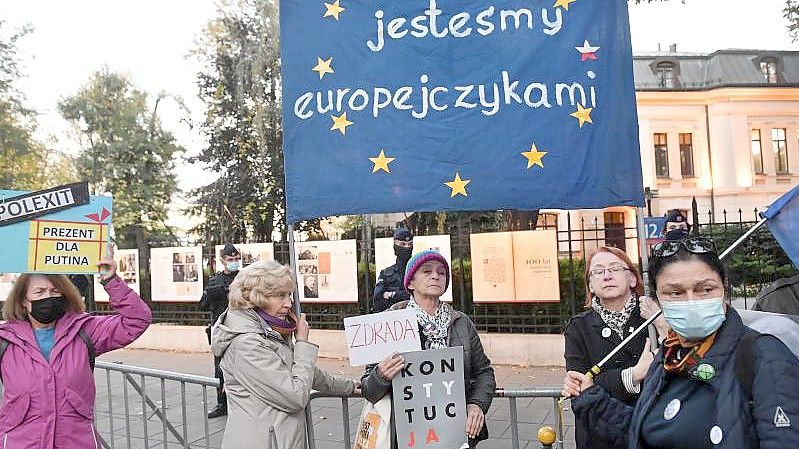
(389, 289)
(215, 300)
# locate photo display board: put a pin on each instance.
(517, 266)
(177, 274)
(327, 271)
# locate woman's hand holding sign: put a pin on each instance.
(390, 366)
(474, 420)
(107, 265)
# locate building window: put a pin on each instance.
(547, 220)
(768, 67)
(661, 156)
(780, 150)
(614, 229)
(666, 74)
(687, 155)
(757, 152)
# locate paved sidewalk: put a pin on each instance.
(327, 413)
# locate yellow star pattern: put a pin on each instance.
(323, 67)
(563, 3)
(340, 123)
(582, 114)
(534, 157)
(381, 162)
(458, 185)
(334, 9)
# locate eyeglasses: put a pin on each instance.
(614, 270)
(696, 245)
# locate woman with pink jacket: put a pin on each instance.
(48, 397)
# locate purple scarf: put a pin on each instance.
(283, 327)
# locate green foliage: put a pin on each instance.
(25, 163)
(240, 85)
(125, 151)
(756, 262)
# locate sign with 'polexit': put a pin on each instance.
(31, 205)
(373, 337)
(58, 230)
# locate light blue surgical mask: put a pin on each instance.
(694, 319)
(233, 266)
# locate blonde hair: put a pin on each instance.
(259, 281)
(14, 307)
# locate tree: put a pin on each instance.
(126, 152)
(791, 14)
(25, 163)
(240, 86)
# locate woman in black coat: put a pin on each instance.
(614, 303)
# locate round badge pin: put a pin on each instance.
(606, 332)
(716, 435)
(672, 409)
(705, 371)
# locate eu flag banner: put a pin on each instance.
(424, 105)
(782, 219)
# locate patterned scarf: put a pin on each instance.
(615, 320)
(680, 360)
(435, 328)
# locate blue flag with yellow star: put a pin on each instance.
(431, 105)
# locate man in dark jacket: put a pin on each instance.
(215, 300)
(389, 289)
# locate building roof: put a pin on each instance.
(723, 68)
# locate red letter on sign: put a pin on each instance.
(412, 443)
(431, 436)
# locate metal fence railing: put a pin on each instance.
(146, 408)
(517, 440)
(755, 264)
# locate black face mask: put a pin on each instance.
(49, 309)
(402, 253)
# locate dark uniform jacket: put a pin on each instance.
(586, 346)
(478, 373)
(743, 425)
(215, 295)
(390, 280)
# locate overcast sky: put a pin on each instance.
(150, 40)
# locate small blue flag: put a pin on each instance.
(427, 105)
(782, 218)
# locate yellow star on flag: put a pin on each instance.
(322, 67)
(534, 157)
(334, 9)
(458, 185)
(582, 114)
(340, 123)
(563, 3)
(381, 162)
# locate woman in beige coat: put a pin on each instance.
(268, 377)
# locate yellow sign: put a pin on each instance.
(65, 246)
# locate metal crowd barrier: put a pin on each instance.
(511, 395)
(122, 421)
(126, 422)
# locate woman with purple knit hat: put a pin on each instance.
(426, 279)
